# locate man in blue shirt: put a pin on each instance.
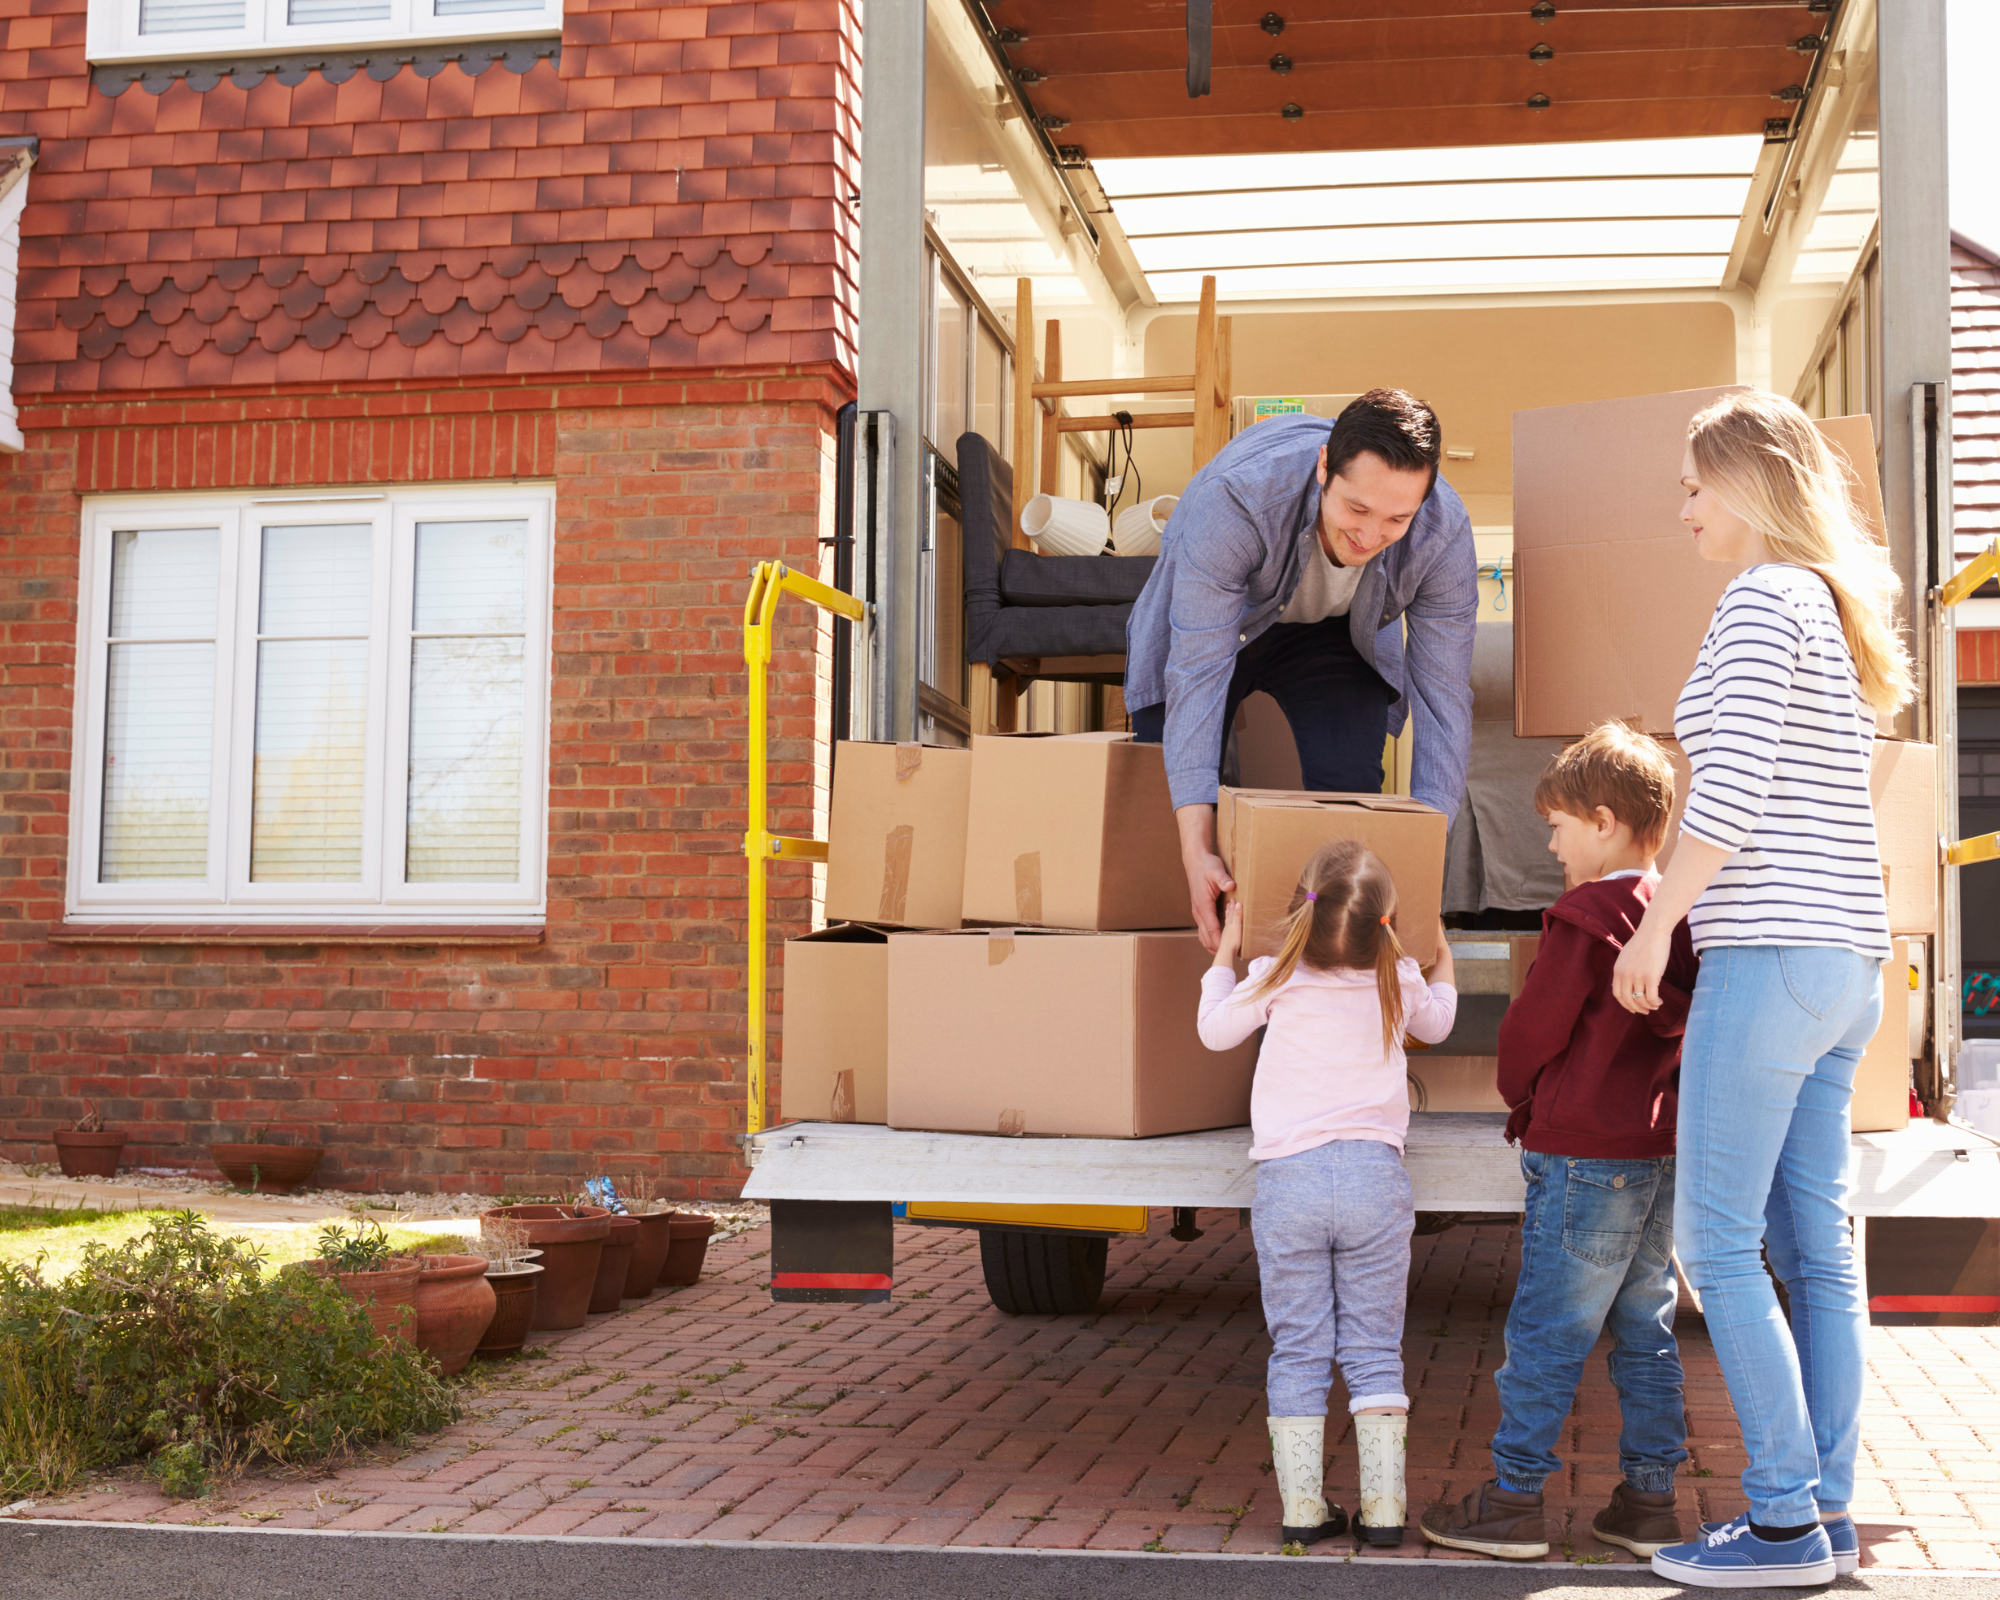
(1295, 563)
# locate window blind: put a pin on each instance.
(470, 8)
(467, 713)
(311, 756)
(328, 13)
(159, 707)
(190, 16)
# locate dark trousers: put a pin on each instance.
(1336, 703)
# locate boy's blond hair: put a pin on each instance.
(1618, 768)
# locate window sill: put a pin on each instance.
(294, 933)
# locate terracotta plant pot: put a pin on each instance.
(513, 1310)
(649, 1254)
(615, 1263)
(455, 1306)
(274, 1168)
(89, 1155)
(689, 1247)
(571, 1239)
(389, 1294)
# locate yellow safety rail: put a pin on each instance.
(1984, 846)
(770, 582)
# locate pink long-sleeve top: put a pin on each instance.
(1322, 1073)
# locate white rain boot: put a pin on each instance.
(1384, 1505)
(1298, 1451)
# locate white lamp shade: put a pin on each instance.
(1062, 527)
(1138, 529)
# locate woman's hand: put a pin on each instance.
(1635, 980)
(1232, 935)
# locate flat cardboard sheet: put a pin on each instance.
(1031, 1032)
(1073, 831)
(1612, 601)
(834, 1067)
(1266, 836)
(896, 837)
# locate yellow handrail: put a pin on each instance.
(769, 582)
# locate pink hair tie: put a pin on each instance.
(1311, 896)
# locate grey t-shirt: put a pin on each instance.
(1324, 590)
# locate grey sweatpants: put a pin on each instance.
(1332, 1226)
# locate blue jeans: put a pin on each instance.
(1332, 1227)
(1596, 1252)
(1767, 1070)
(1337, 705)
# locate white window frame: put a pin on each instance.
(227, 894)
(112, 30)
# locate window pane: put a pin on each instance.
(990, 392)
(159, 704)
(949, 380)
(312, 725)
(465, 760)
(468, 8)
(315, 580)
(189, 16)
(308, 13)
(471, 577)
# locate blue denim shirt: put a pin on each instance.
(1233, 553)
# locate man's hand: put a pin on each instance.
(1208, 879)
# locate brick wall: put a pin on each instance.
(1979, 655)
(617, 1043)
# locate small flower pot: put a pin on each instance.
(616, 1261)
(513, 1310)
(571, 1239)
(272, 1168)
(389, 1294)
(455, 1306)
(689, 1233)
(89, 1155)
(649, 1254)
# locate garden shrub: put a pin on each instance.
(179, 1350)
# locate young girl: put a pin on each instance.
(1333, 1215)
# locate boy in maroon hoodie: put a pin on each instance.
(1591, 1087)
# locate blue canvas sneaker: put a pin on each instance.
(1840, 1533)
(1732, 1557)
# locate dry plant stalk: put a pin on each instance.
(504, 1243)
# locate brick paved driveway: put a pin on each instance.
(936, 1420)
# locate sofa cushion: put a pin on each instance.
(1027, 579)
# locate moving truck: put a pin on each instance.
(1503, 207)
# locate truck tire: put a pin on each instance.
(1042, 1274)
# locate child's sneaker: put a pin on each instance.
(1491, 1521)
(1641, 1522)
(1732, 1557)
(1840, 1533)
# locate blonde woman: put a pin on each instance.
(1778, 873)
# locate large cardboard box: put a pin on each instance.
(1073, 831)
(1266, 836)
(836, 1040)
(1023, 1031)
(896, 837)
(1882, 1080)
(1455, 1083)
(1902, 783)
(1612, 601)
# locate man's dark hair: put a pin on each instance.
(1398, 427)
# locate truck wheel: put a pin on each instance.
(1042, 1274)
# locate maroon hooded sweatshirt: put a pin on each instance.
(1584, 1076)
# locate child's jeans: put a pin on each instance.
(1597, 1244)
(1332, 1226)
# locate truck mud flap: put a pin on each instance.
(832, 1251)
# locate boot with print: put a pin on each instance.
(1298, 1451)
(1381, 1442)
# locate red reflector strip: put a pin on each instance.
(831, 1280)
(1962, 1303)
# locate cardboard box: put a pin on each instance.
(1455, 1083)
(1073, 831)
(1612, 600)
(896, 837)
(1090, 1035)
(1266, 836)
(1882, 1080)
(1902, 783)
(836, 1040)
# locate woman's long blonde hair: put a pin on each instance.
(1343, 915)
(1767, 462)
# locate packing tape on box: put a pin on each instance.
(842, 1108)
(1028, 886)
(999, 946)
(909, 757)
(896, 848)
(1012, 1123)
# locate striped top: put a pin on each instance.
(1774, 725)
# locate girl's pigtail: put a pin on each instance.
(1389, 984)
(1298, 929)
